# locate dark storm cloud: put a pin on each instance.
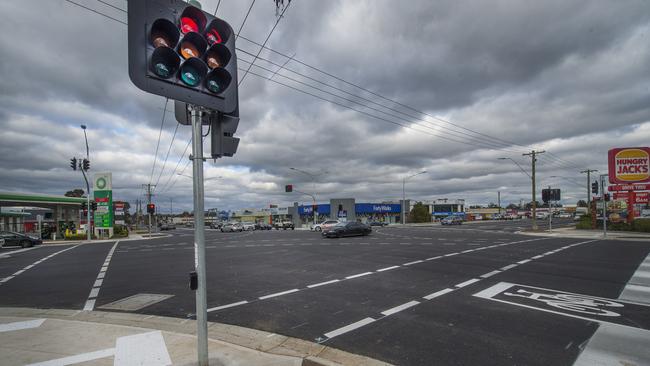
(566, 76)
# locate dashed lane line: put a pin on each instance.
(94, 292)
(26, 268)
(363, 322)
(364, 274)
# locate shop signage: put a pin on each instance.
(103, 192)
(629, 187)
(639, 197)
(629, 165)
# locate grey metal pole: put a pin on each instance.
(550, 212)
(602, 197)
(199, 237)
(499, 201)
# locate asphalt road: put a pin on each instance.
(467, 295)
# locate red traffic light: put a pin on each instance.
(288, 188)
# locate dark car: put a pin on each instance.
(347, 229)
(263, 226)
(10, 238)
(378, 223)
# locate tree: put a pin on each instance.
(529, 205)
(493, 205)
(419, 213)
(581, 203)
(77, 192)
(512, 206)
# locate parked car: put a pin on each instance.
(189, 224)
(378, 223)
(497, 217)
(263, 226)
(284, 225)
(216, 225)
(248, 226)
(231, 227)
(451, 220)
(164, 227)
(325, 225)
(10, 238)
(347, 229)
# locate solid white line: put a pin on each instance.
(29, 324)
(490, 274)
(432, 258)
(450, 254)
(19, 272)
(399, 308)
(387, 268)
(358, 275)
(538, 256)
(8, 254)
(349, 327)
(6, 279)
(30, 266)
(468, 282)
(279, 294)
(511, 266)
(227, 306)
(467, 251)
(71, 360)
(524, 261)
(410, 263)
(322, 283)
(438, 293)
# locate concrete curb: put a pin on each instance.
(128, 238)
(589, 234)
(311, 354)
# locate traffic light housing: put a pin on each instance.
(84, 206)
(594, 187)
(288, 188)
(151, 208)
(607, 197)
(93, 205)
(73, 163)
(85, 164)
(178, 51)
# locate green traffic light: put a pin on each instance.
(214, 86)
(190, 76)
(162, 70)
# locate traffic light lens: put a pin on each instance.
(160, 40)
(164, 62)
(217, 56)
(164, 34)
(193, 72)
(189, 50)
(190, 76)
(218, 80)
(213, 37)
(162, 70)
(214, 86)
(188, 25)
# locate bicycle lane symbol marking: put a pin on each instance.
(592, 308)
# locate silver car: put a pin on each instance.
(232, 227)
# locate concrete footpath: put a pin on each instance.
(65, 337)
(569, 232)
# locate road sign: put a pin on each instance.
(550, 194)
(629, 165)
(629, 187)
(639, 197)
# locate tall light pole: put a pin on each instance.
(88, 226)
(313, 177)
(404, 194)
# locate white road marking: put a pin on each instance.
(438, 293)
(524, 261)
(616, 345)
(510, 266)
(349, 327)
(322, 283)
(490, 274)
(94, 291)
(141, 349)
(8, 254)
(537, 256)
(432, 258)
(638, 287)
(414, 262)
(399, 308)
(6, 279)
(71, 360)
(387, 268)
(279, 294)
(28, 324)
(468, 282)
(358, 275)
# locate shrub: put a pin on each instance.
(642, 225)
(120, 231)
(584, 223)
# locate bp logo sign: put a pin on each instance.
(100, 183)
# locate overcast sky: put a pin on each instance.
(455, 85)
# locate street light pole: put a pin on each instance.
(313, 182)
(88, 226)
(404, 194)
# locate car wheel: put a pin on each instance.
(339, 235)
(26, 244)
(318, 228)
(292, 228)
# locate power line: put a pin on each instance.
(162, 123)
(112, 6)
(264, 44)
(96, 12)
(167, 156)
(217, 8)
(177, 164)
(245, 18)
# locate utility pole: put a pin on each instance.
(602, 198)
(149, 194)
(499, 201)
(589, 171)
(533, 154)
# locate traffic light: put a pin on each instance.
(546, 193)
(93, 205)
(84, 206)
(85, 164)
(288, 188)
(151, 208)
(73, 163)
(607, 197)
(594, 187)
(178, 51)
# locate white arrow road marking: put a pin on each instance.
(146, 349)
(29, 324)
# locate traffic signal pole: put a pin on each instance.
(199, 236)
(589, 171)
(88, 226)
(533, 154)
